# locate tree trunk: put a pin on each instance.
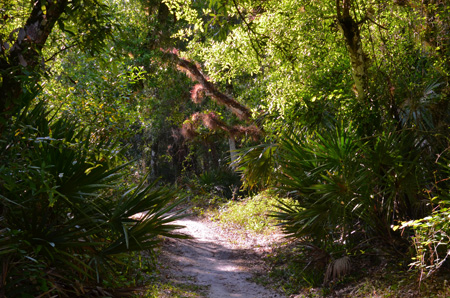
(349, 28)
(21, 57)
(232, 143)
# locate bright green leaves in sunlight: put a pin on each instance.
(104, 95)
(349, 118)
(186, 11)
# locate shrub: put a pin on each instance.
(252, 213)
(66, 218)
(347, 188)
(431, 241)
(222, 181)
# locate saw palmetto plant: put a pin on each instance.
(346, 186)
(67, 217)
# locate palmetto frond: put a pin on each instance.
(343, 184)
(257, 164)
(61, 202)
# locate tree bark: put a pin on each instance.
(232, 143)
(241, 111)
(349, 28)
(21, 57)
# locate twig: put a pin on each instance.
(60, 51)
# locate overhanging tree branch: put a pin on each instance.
(241, 111)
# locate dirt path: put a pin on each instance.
(210, 261)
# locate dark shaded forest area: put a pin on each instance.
(114, 108)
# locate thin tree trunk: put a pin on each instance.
(349, 28)
(232, 143)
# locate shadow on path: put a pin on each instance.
(209, 260)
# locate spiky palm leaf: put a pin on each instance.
(257, 164)
(59, 190)
(345, 185)
(323, 175)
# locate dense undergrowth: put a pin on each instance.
(299, 268)
(341, 107)
(70, 220)
(250, 214)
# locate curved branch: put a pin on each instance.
(213, 122)
(241, 111)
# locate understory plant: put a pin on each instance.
(431, 241)
(67, 217)
(348, 187)
(250, 213)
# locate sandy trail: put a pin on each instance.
(210, 260)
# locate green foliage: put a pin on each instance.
(346, 187)
(88, 24)
(431, 241)
(250, 214)
(322, 174)
(275, 56)
(257, 164)
(295, 269)
(185, 289)
(286, 59)
(31, 35)
(64, 206)
(222, 181)
(104, 96)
